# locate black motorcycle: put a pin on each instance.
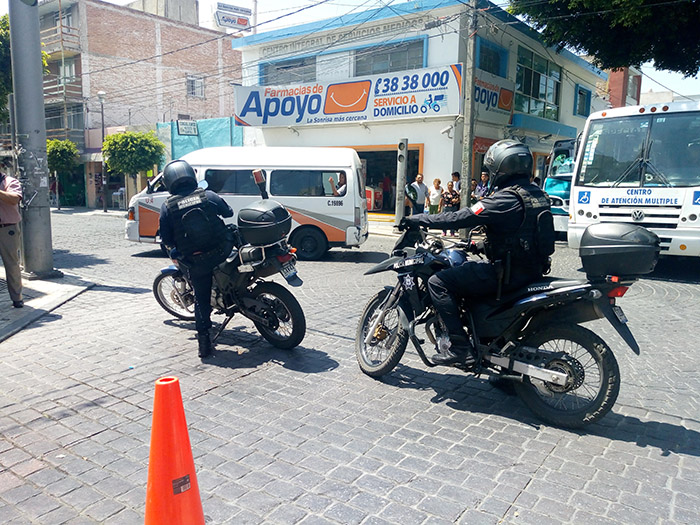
(565, 373)
(260, 250)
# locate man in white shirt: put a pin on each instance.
(421, 195)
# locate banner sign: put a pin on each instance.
(493, 98)
(233, 9)
(187, 127)
(225, 19)
(431, 92)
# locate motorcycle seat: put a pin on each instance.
(546, 284)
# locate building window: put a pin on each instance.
(64, 18)
(633, 86)
(295, 71)
(582, 101)
(66, 71)
(385, 59)
(491, 58)
(195, 86)
(537, 85)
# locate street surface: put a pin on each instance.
(303, 436)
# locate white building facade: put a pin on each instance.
(369, 79)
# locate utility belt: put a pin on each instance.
(210, 258)
(503, 268)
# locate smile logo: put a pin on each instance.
(505, 99)
(347, 97)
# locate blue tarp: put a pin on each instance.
(211, 133)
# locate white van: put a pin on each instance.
(299, 178)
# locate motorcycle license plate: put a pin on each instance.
(620, 314)
(288, 269)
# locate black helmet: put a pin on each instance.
(179, 177)
(506, 159)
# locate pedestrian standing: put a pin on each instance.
(450, 200)
(435, 197)
(417, 194)
(456, 181)
(10, 197)
(482, 189)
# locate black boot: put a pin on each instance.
(459, 352)
(205, 347)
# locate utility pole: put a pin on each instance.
(468, 137)
(30, 126)
(101, 98)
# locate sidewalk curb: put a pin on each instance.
(53, 293)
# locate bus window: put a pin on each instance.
(238, 182)
(611, 150)
(674, 154)
(302, 183)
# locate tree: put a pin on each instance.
(61, 156)
(131, 152)
(621, 33)
(5, 66)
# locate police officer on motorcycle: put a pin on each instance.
(194, 233)
(519, 239)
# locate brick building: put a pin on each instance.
(150, 68)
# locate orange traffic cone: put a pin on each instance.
(172, 496)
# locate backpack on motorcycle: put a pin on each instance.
(537, 204)
(201, 235)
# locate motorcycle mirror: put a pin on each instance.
(259, 178)
(203, 184)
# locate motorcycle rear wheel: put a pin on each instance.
(386, 349)
(287, 310)
(175, 295)
(594, 378)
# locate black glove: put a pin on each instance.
(407, 224)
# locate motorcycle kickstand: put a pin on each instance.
(222, 327)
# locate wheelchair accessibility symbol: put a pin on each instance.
(696, 198)
(584, 197)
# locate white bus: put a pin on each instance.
(641, 165)
(299, 178)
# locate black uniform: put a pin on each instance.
(191, 222)
(510, 216)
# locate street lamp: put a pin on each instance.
(101, 98)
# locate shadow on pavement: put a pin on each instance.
(676, 269)
(150, 254)
(476, 395)
(242, 347)
(133, 290)
(352, 256)
(65, 259)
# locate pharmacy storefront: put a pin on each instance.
(370, 114)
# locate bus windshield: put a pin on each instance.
(642, 150)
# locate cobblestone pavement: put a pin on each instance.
(303, 436)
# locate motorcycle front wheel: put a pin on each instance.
(593, 377)
(388, 344)
(284, 311)
(175, 295)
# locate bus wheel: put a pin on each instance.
(310, 243)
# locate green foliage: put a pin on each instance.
(620, 33)
(5, 68)
(131, 152)
(62, 156)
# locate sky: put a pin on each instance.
(268, 10)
